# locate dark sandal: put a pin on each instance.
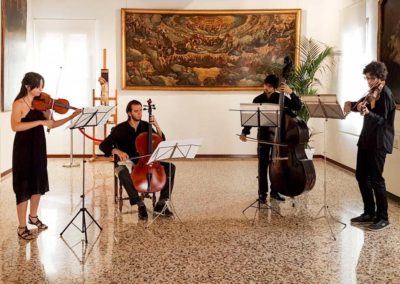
(25, 234)
(38, 223)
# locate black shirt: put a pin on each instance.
(294, 103)
(123, 137)
(378, 126)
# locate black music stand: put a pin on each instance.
(259, 115)
(90, 117)
(173, 149)
(324, 106)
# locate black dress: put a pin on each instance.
(30, 160)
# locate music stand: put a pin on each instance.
(259, 115)
(324, 106)
(90, 117)
(173, 149)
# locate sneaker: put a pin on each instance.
(142, 212)
(277, 196)
(363, 218)
(158, 209)
(378, 225)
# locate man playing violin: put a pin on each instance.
(270, 95)
(121, 142)
(376, 140)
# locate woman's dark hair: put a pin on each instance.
(272, 80)
(130, 104)
(31, 80)
(377, 69)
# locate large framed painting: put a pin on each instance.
(207, 49)
(13, 49)
(389, 42)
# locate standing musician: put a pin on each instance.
(376, 140)
(121, 142)
(29, 157)
(270, 95)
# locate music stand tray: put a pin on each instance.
(324, 106)
(90, 117)
(173, 149)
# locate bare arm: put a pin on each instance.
(57, 123)
(17, 114)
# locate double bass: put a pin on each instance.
(148, 178)
(290, 172)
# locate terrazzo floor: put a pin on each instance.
(213, 243)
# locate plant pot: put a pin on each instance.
(310, 153)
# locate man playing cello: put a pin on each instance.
(121, 142)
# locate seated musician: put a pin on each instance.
(121, 142)
(270, 95)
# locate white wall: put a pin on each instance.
(182, 114)
(343, 135)
(185, 114)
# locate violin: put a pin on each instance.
(148, 178)
(45, 102)
(369, 98)
(373, 95)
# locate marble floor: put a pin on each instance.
(213, 243)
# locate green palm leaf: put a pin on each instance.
(315, 57)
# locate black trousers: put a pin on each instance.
(126, 181)
(264, 158)
(370, 164)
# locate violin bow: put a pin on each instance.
(252, 139)
(55, 96)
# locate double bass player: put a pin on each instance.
(291, 103)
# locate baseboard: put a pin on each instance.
(67, 156)
(340, 165)
(210, 156)
(3, 174)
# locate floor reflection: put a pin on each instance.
(213, 243)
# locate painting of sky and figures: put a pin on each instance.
(202, 50)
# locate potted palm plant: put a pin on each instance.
(315, 57)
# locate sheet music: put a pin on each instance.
(268, 114)
(92, 116)
(323, 106)
(171, 149)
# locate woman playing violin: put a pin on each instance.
(376, 140)
(121, 142)
(29, 164)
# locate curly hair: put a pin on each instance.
(376, 68)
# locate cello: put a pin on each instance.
(290, 172)
(148, 178)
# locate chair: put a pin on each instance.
(118, 198)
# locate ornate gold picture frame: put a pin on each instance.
(13, 49)
(206, 49)
(389, 42)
